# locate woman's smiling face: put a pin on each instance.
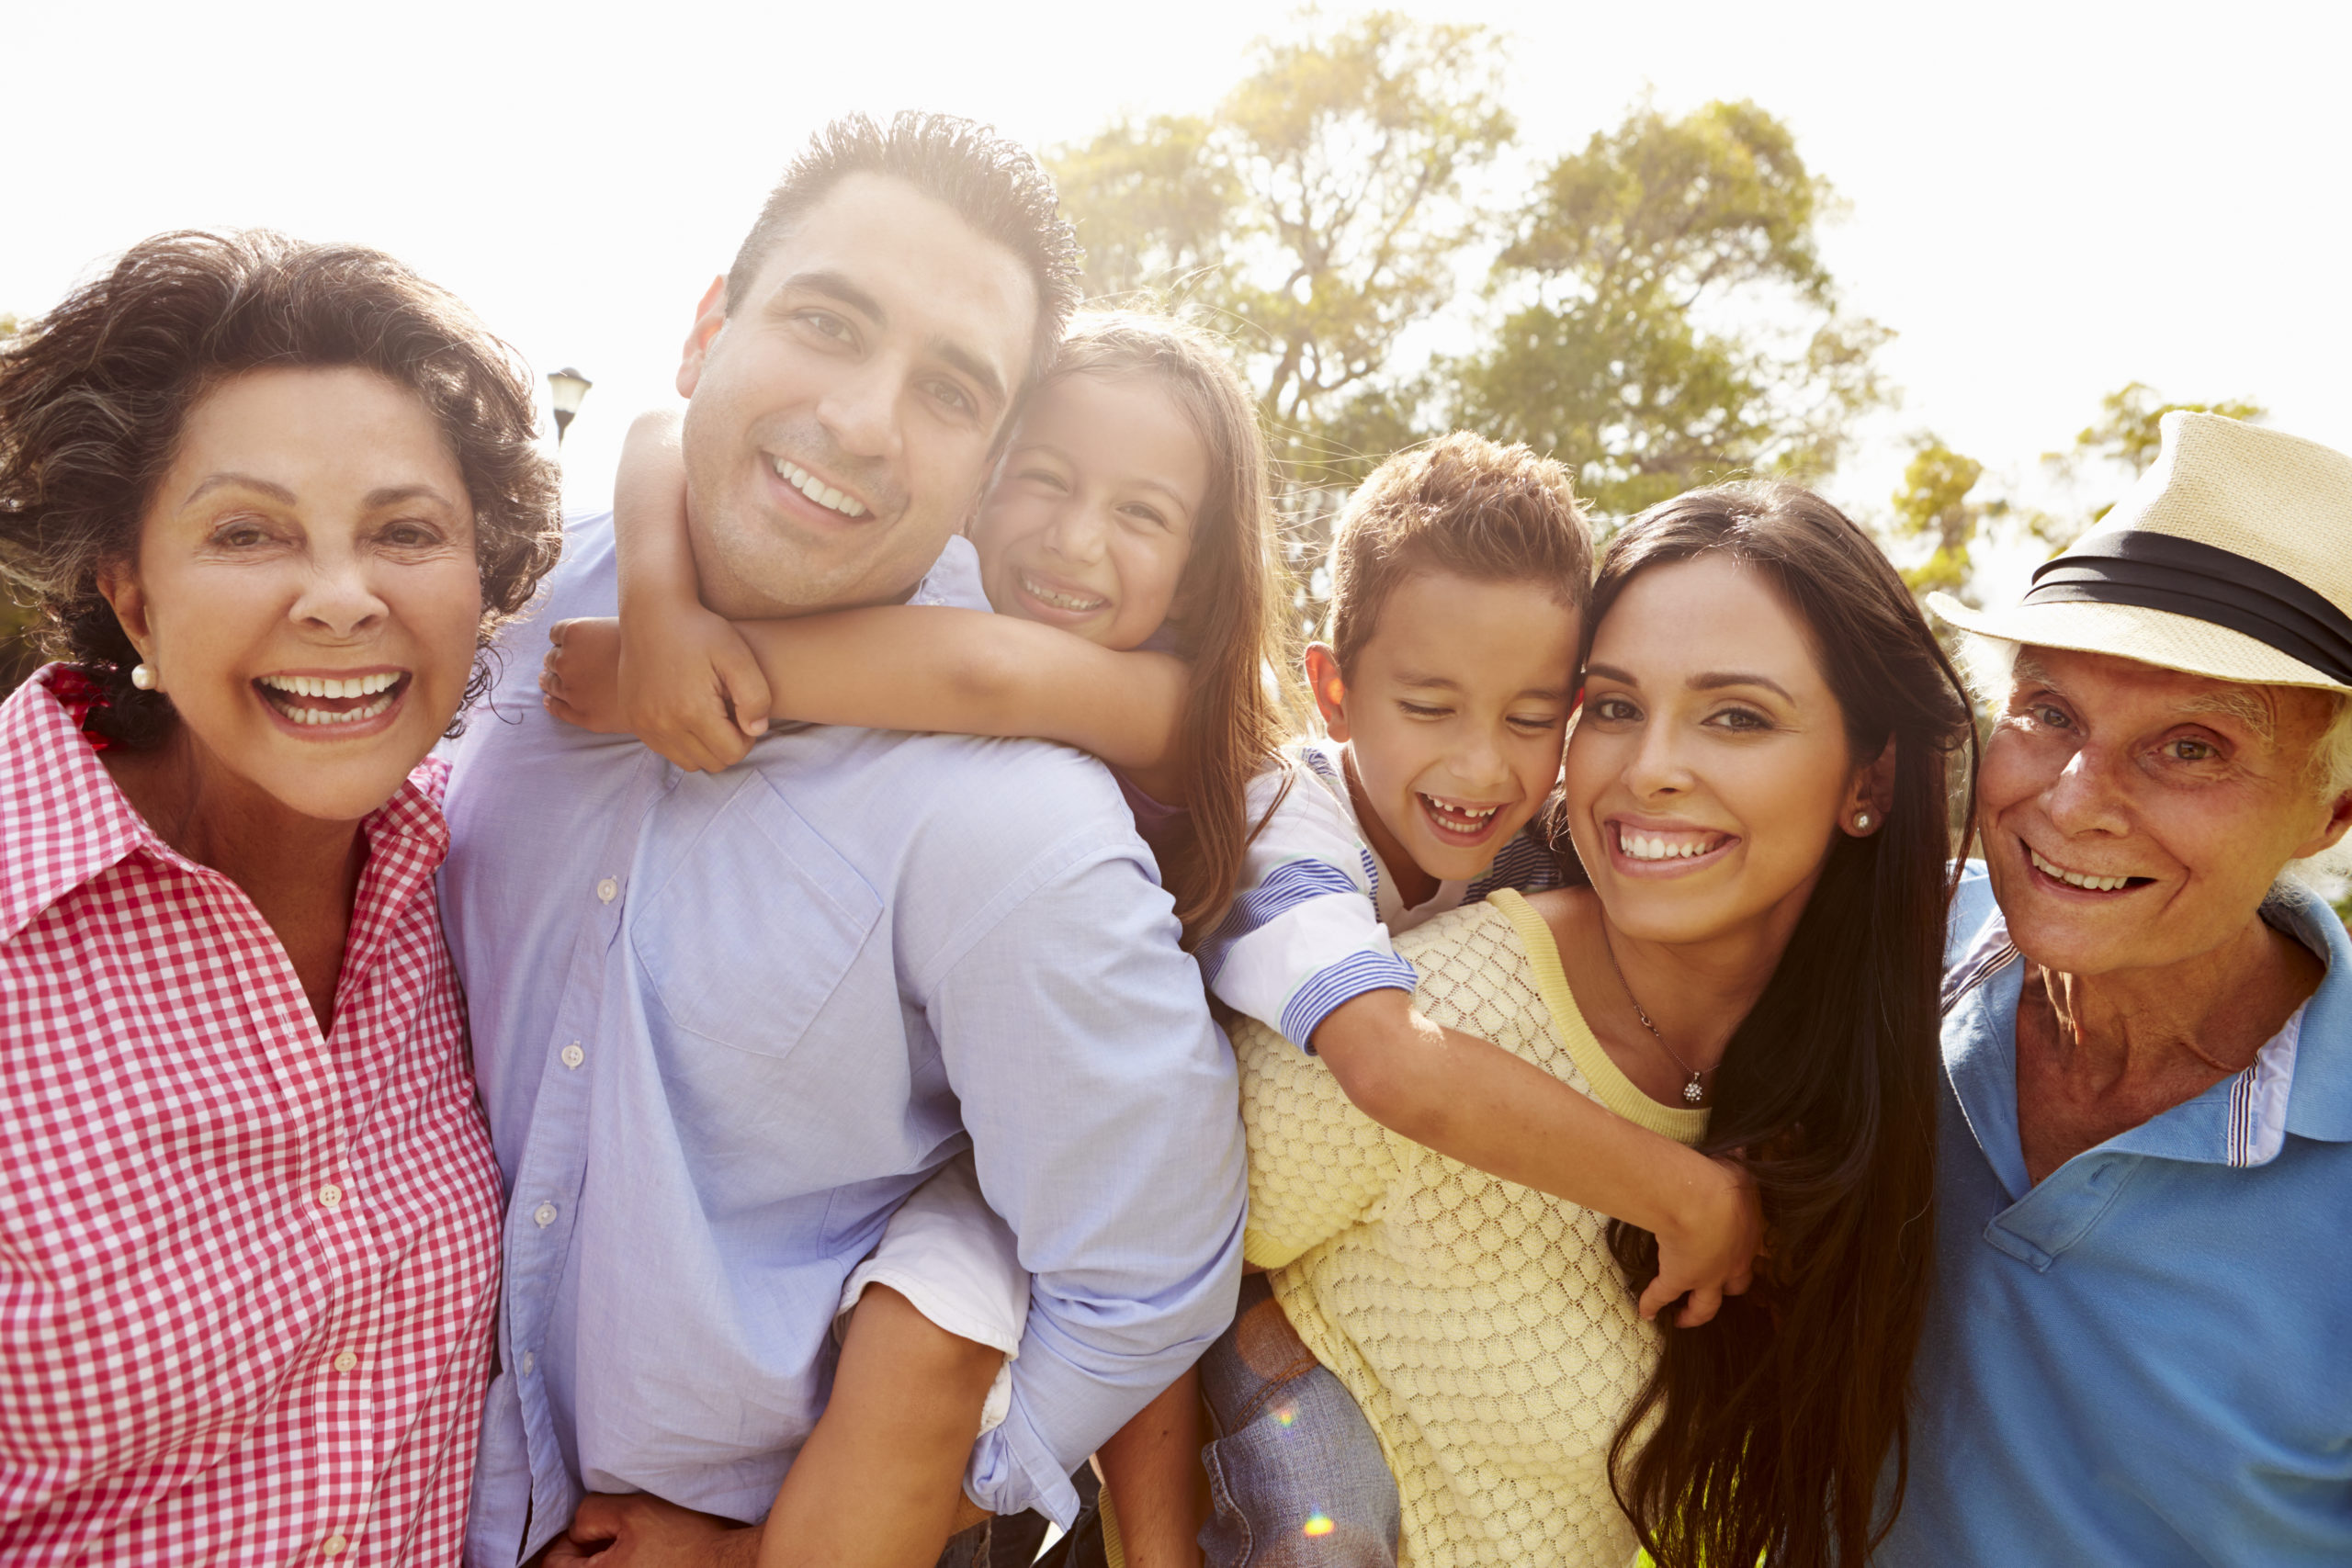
(306, 588)
(1090, 520)
(1709, 768)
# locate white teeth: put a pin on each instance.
(323, 716)
(1057, 599)
(1459, 818)
(330, 686)
(818, 489)
(1649, 846)
(2075, 878)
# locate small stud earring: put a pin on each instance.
(142, 677)
(1862, 820)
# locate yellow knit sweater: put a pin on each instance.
(1482, 1326)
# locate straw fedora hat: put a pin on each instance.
(2231, 556)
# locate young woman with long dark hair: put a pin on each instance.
(1757, 788)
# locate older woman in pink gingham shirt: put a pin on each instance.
(269, 498)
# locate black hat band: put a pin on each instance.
(2204, 582)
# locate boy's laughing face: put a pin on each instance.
(1454, 715)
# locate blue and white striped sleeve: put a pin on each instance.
(1304, 935)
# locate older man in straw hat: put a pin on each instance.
(2140, 1347)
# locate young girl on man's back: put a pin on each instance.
(1125, 545)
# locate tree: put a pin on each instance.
(1934, 504)
(1677, 324)
(1315, 216)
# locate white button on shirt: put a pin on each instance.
(544, 1215)
(608, 890)
(345, 1362)
(330, 1195)
(573, 1055)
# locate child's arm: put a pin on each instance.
(928, 667)
(1151, 1467)
(1306, 953)
(685, 683)
(1472, 1101)
(697, 688)
(879, 1481)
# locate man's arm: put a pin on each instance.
(1102, 1108)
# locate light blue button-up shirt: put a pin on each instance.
(2146, 1358)
(723, 1025)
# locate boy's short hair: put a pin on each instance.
(992, 183)
(1463, 505)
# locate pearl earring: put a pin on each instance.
(1862, 820)
(142, 677)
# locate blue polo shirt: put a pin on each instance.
(2144, 1360)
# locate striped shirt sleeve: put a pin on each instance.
(1304, 934)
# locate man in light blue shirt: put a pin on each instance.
(724, 1024)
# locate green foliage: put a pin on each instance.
(1318, 213)
(1153, 204)
(1631, 249)
(1934, 504)
(1939, 500)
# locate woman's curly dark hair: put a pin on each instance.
(95, 394)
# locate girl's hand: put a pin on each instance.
(685, 705)
(1712, 1253)
(691, 689)
(579, 680)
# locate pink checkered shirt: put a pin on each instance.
(247, 1274)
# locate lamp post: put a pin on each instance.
(568, 387)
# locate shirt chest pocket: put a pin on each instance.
(755, 927)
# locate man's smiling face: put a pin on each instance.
(844, 412)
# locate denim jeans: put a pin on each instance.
(1297, 1477)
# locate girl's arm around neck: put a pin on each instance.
(968, 672)
(655, 561)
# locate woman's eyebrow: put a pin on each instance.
(212, 482)
(1715, 680)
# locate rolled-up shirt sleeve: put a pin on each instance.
(1102, 1103)
(1303, 935)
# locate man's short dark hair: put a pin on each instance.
(993, 184)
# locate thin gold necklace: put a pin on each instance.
(1693, 1091)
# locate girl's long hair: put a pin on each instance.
(1762, 1436)
(1231, 623)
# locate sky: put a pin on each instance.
(2044, 200)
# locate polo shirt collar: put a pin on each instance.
(2306, 1067)
(2320, 1103)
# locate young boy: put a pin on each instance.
(1459, 575)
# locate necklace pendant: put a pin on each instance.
(1692, 1092)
